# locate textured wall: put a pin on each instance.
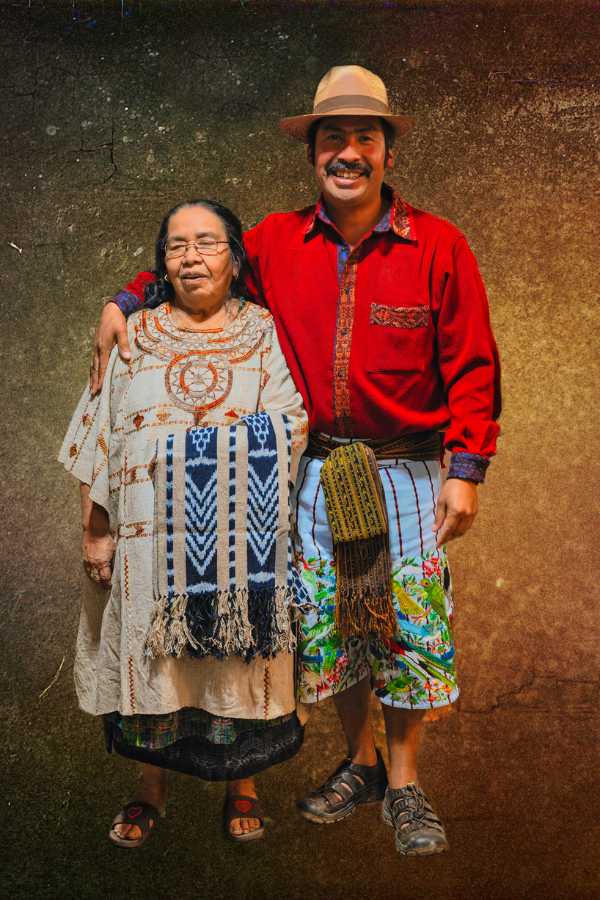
(107, 121)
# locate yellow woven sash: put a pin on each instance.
(353, 494)
(358, 519)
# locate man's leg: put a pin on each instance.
(330, 666)
(352, 707)
(361, 777)
(403, 731)
(419, 831)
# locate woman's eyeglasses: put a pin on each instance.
(204, 246)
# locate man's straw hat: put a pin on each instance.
(347, 91)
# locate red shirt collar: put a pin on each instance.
(397, 218)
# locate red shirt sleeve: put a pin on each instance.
(131, 296)
(253, 288)
(468, 357)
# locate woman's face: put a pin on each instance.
(199, 280)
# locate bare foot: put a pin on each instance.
(153, 789)
(246, 787)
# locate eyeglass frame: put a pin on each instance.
(195, 243)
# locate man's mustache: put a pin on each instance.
(342, 166)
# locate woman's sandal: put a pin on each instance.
(239, 806)
(139, 813)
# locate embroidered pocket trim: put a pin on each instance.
(399, 316)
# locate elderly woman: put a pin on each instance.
(185, 462)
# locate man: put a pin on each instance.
(383, 319)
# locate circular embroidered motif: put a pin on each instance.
(199, 374)
(194, 383)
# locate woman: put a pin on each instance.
(185, 462)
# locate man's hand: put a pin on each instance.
(111, 330)
(456, 509)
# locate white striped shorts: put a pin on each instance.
(415, 669)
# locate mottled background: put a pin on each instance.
(107, 120)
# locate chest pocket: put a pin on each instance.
(397, 338)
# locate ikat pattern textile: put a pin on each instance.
(225, 578)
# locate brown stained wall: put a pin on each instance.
(104, 126)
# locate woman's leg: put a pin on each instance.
(153, 789)
(247, 788)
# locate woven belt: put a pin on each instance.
(420, 445)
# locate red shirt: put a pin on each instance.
(389, 338)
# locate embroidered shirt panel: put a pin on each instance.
(399, 316)
(396, 219)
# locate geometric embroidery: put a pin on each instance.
(399, 316)
(398, 218)
(343, 342)
(468, 466)
(199, 374)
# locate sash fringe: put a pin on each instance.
(364, 597)
(171, 633)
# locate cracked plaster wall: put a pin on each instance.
(107, 121)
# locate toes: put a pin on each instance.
(235, 826)
(243, 826)
(131, 832)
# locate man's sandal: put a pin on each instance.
(143, 815)
(348, 787)
(419, 831)
(239, 806)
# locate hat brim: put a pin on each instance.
(298, 126)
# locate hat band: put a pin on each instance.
(347, 101)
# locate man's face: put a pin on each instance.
(350, 159)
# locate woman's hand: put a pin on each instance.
(98, 546)
(98, 554)
(111, 330)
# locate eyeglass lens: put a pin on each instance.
(205, 247)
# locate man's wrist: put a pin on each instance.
(127, 302)
(468, 467)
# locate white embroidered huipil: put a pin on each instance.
(175, 379)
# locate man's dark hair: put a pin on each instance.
(389, 136)
(162, 290)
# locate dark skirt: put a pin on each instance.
(217, 750)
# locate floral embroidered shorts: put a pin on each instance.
(415, 669)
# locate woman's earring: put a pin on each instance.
(165, 277)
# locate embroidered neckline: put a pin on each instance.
(397, 218)
(168, 307)
(200, 364)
